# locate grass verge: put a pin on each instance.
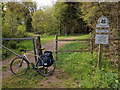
(82, 67)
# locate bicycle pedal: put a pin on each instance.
(35, 68)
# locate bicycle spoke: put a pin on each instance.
(19, 66)
(46, 70)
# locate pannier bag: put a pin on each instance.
(47, 59)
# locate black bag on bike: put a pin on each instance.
(47, 59)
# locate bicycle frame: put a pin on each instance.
(25, 56)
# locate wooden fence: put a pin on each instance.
(57, 40)
(91, 49)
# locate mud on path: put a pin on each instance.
(48, 46)
(59, 79)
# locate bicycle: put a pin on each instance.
(21, 64)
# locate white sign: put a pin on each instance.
(103, 22)
(102, 31)
(102, 26)
(101, 39)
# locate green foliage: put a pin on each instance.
(5, 54)
(30, 34)
(21, 30)
(59, 15)
(16, 19)
(38, 21)
(59, 19)
(91, 11)
(44, 21)
(67, 15)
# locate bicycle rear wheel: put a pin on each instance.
(19, 66)
(46, 70)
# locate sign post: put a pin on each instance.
(102, 36)
(100, 55)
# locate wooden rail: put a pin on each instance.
(74, 40)
(85, 39)
(74, 51)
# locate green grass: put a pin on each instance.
(27, 44)
(82, 67)
(29, 80)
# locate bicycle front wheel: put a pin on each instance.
(19, 66)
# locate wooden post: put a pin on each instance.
(100, 55)
(91, 46)
(38, 45)
(56, 46)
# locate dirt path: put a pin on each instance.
(58, 79)
(51, 45)
(47, 46)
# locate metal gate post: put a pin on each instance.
(34, 49)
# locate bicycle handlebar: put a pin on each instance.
(23, 50)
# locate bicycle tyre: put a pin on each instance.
(49, 69)
(23, 68)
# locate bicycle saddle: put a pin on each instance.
(22, 50)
